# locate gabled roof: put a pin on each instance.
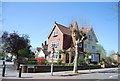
(67, 30)
(63, 29)
(38, 48)
(86, 30)
(45, 52)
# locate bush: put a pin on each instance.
(32, 62)
(46, 62)
(41, 60)
(101, 63)
(69, 64)
(59, 62)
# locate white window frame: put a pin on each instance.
(55, 33)
(55, 56)
(55, 43)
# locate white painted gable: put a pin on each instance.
(41, 54)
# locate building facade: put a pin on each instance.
(62, 40)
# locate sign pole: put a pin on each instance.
(52, 62)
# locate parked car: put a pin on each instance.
(1, 58)
(8, 60)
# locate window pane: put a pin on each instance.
(85, 45)
(55, 33)
(93, 47)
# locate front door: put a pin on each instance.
(67, 58)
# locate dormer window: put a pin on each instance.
(55, 33)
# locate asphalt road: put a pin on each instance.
(58, 80)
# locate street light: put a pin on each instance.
(89, 57)
(53, 50)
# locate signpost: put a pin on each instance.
(52, 61)
(89, 57)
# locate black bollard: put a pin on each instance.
(3, 72)
(20, 69)
(3, 62)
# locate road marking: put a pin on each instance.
(113, 76)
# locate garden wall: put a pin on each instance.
(47, 68)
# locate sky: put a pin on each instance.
(37, 19)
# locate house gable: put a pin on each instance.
(55, 27)
(41, 54)
(91, 32)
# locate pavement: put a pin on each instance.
(103, 73)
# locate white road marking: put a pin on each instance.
(113, 76)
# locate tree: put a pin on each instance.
(87, 60)
(79, 37)
(25, 52)
(14, 42)
(101, 50)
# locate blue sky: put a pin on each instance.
(37, 19)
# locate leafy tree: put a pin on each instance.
(25, 52)
(87, 58)
(14, 42)
(101, 50)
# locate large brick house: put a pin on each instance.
(61, 38)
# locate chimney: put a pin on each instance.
(42, 44)
(45, 43)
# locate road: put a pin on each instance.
(96, 74)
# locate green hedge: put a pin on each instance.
(32, 62)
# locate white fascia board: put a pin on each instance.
(59, 29)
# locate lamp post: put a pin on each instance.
(52, 61)
(89, 57)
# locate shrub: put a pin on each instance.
(41, 61)
(46, 62)
(32, 62)
(69, 63)
(59, 62)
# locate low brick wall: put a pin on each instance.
(108, 66)
(47, 68)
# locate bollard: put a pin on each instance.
(3, 62)
(20, 69)
(3, 72)
(18, 66)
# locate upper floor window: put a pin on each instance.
(55, 44)
(93, 47)
(55, 33)
(80, 45)
(89, 36)
(85, 45)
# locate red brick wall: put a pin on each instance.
(67, 40)
(59, 37)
